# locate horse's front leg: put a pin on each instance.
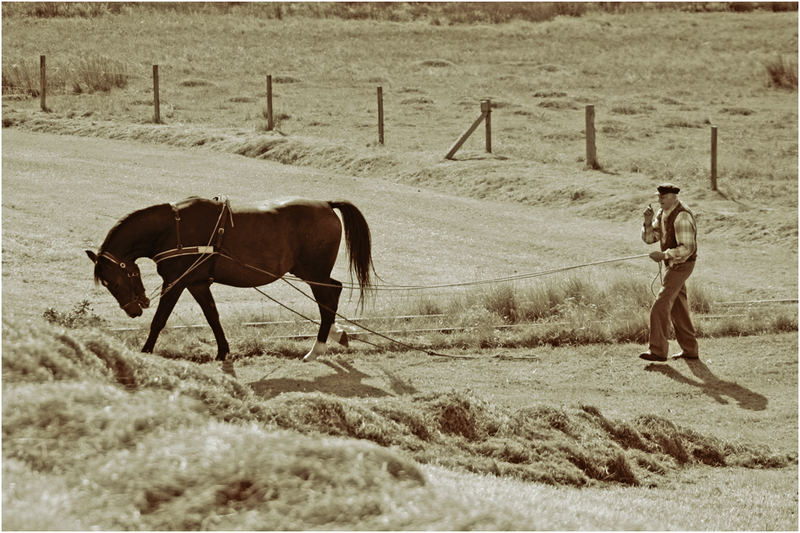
(202, 293)
(165, 306)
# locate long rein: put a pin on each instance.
(207, 252)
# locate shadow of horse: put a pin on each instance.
(347, 382)
(712, 386)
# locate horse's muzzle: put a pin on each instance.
(134, 308)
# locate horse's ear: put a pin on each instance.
(92, 256)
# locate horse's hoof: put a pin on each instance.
(344, 340)
(227, 367)
(318, 349)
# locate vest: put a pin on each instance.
(669, 240)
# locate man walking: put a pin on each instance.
(675, 229)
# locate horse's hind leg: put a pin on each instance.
(327, 297)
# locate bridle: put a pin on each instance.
(140, 300)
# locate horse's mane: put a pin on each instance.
(124, 221)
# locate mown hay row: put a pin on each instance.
(82, 392)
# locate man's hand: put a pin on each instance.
(648, 215)
(657, 256)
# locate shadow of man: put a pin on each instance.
(345, 382)
(711, 385)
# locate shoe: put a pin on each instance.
(649, 356)
(682, 355)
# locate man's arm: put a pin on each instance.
(651, 229)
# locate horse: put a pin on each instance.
(198, 242)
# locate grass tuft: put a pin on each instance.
(781, 72)
(83, 75)
(81, 315)
(98, 73)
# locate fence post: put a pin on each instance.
(156, 102)
(591, 149)
(713, 158)
(380, 114)
(270, 120)
(486, 110)
(43, 82)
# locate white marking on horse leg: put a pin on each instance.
(339, 335)
(319, 349)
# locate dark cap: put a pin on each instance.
(666, 188)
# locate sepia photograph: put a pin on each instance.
(399, 266)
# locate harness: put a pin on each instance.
(214, 245)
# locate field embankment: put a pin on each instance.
(127, 440)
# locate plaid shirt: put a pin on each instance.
(685, 235)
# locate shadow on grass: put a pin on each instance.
(346, 383)
(711, 385)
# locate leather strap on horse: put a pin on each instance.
(216, 235)
(177, 224)
(189, 250)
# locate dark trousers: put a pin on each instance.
(672, 305)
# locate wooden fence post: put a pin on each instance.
(713, 158)
(270, 119)
(591, 148)
(380, 114)
(43, 82)
(156, 102)
(486, 109)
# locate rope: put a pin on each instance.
(506, 279)
(656, 277)
(390, 339)
(370, 330)
(205, 257)
(395, 341)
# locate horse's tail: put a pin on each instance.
(359, 244)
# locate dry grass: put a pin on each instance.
(82, 75)
(782, 72)
(126, 440)
(654, 106)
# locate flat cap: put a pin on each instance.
(666, 188)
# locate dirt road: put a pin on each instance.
(61, 194)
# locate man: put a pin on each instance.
(675, 229)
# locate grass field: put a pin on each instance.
(527, 428)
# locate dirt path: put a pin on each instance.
(62, 194)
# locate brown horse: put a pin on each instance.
(198, 242)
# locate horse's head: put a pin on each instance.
(123, 280)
